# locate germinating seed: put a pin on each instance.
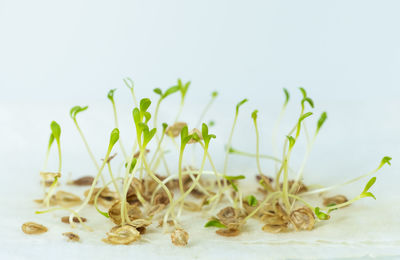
(150, 190)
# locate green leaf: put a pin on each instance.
(367, 194)
(183, 87)
(234, 186)
(240, 104)
(114, 137)
(128, 82)
(211, 123)
(214, 94)
(147, 116)
(51, 140)
(292, 141)
(252, 200)
(157, 91)
(309, 101)
(184, 135)
(369, 184)
(321, 120)
(75, 110)
(164, 126)
(304, 116)
(385, 160)
(204, 130)
(321, 215)
(254, 115)
(148, 135)
(287, 95)
(136, 115)
(214, 223)
(144, 104)
(237, 177)
(110, 94)
(55, 130)
(303, 91)
(170, 91)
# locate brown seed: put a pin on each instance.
(66, 199)
(179, 237)
(175, 129)
(226, 232)
(338, 199)
(303, 218)
(33, 228)
(122, 235)
(83, 181)
(71, 236)
(74, 219)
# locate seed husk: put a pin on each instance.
(83, 181)
(115, 212)
(53, 201)
(138, 223)
(338, 199)
(179, 237)
(33, 228)
(122, 235)
(67, 199)
(303, 218)
(71, 236)
(175, 129)
(228, 232)
(106, 197)
(198, 133)
(65, 219)
(274, 228)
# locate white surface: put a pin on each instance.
(56, 55)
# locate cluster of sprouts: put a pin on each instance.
(150, 191)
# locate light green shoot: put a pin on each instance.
(254, 116)
(56, 132)
(130, 85)
(385, 160)
(114, 136)
(51, 140)
(214, 95)
(183, 87)
(110, 96)
(73, 113)
(228, 145)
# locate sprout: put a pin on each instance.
(129, 84)
(146, 196)
(321, 215)
(251, 200)
(321, 121)
(110, 96)
(228, 146)
(365, 192)
(215, 223)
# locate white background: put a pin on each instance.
(57, 54)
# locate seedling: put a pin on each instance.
(149, 194)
